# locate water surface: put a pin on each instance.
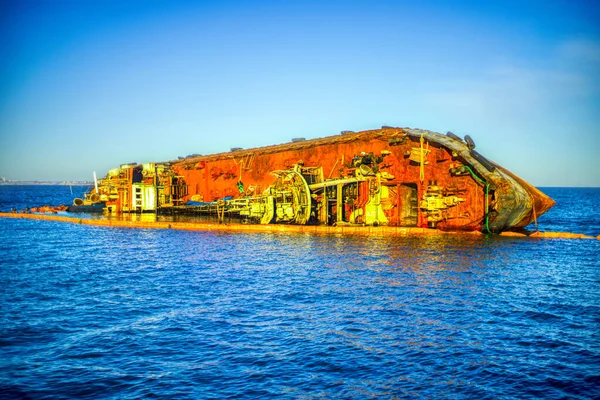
(128, 313)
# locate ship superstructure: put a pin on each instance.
(390, 176)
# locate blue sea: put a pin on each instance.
(98, 312)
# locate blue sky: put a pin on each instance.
(88, 85)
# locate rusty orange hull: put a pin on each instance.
(390, 176)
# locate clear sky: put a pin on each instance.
(89, 85)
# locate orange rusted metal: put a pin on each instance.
(391, 176)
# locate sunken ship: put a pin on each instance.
(390, 176)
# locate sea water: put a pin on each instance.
(100, 312)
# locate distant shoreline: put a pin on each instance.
(48, 183)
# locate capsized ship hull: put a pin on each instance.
(389, 176)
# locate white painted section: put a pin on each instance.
(149, 198)
(143, 197)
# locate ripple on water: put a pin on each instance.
(98, 312)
